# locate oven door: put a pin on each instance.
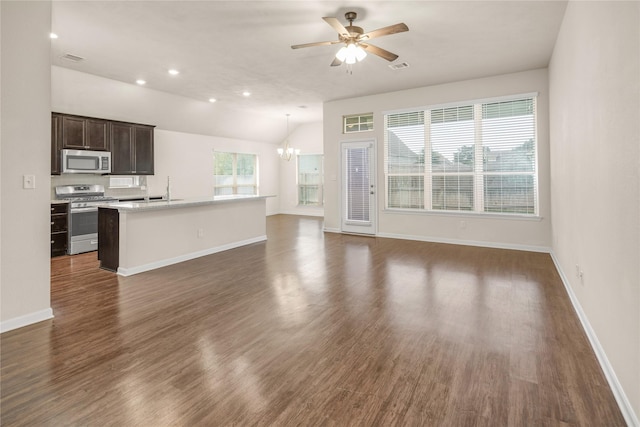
(83, 230)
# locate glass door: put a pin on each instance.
(358, 187)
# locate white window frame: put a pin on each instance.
(234, 186)
(357, 127)
(478, 173)
(320, 185)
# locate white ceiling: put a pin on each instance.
(225, 47)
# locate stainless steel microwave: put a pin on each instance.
(86, 161)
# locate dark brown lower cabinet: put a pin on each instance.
(109, 238)
(59, 229)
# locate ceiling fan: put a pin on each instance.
(355, 40)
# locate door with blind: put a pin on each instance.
(358, 187)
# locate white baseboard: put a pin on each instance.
(186, 257)
(303, 212)
(628, 413)
(27, 319)
(332, 230)
(528, 248)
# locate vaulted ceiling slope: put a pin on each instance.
(223, 48)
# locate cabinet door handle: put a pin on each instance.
(52, 242)
(52, 209)
(51, 222)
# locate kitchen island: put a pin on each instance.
(139, 236)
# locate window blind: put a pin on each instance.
(357, 203)
(482, 158)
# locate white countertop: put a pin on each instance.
(179, 203)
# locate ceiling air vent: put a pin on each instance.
(399, 66)
(72, 57)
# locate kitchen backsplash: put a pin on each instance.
(79, 179)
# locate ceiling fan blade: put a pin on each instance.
(298, 46)
(379, 51)
(337, 25)
(336, 62)
(391, 29)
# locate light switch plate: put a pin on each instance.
(28, 182)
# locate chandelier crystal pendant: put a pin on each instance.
(286, 151)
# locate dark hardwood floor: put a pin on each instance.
(309, 329)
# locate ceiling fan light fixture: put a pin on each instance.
(342, 54)
(351, 53)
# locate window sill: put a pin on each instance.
(477, 215)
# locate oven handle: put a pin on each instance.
(79, 210)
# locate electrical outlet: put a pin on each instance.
(462, 225)
(200, 233)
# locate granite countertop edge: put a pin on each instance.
(155, 205)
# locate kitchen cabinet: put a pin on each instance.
(59, 228)
(108, 238)
(131, 144)
(84, 133)
(56, 143)
(131, 149)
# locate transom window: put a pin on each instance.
(235, 173)
(357, 123)
(475, 157)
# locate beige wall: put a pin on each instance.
(489, 231)
(188, 160)
(595, 164)
(25, 149)
(308, 138)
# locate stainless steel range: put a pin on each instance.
(83, 214)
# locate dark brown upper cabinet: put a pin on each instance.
(131, 144)
(131, 149)
(85, 133)
(56, 143)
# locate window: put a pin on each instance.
(478, 157)
(310, 177)
(235, 173)
(357, 123)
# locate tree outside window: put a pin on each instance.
(235, 173)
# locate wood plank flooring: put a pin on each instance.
(307, 329)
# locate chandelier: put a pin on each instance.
(286, 151)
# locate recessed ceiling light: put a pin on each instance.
(53, 36)
(246, 93)
(141, 82)
(174, 72)
(212, 100)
